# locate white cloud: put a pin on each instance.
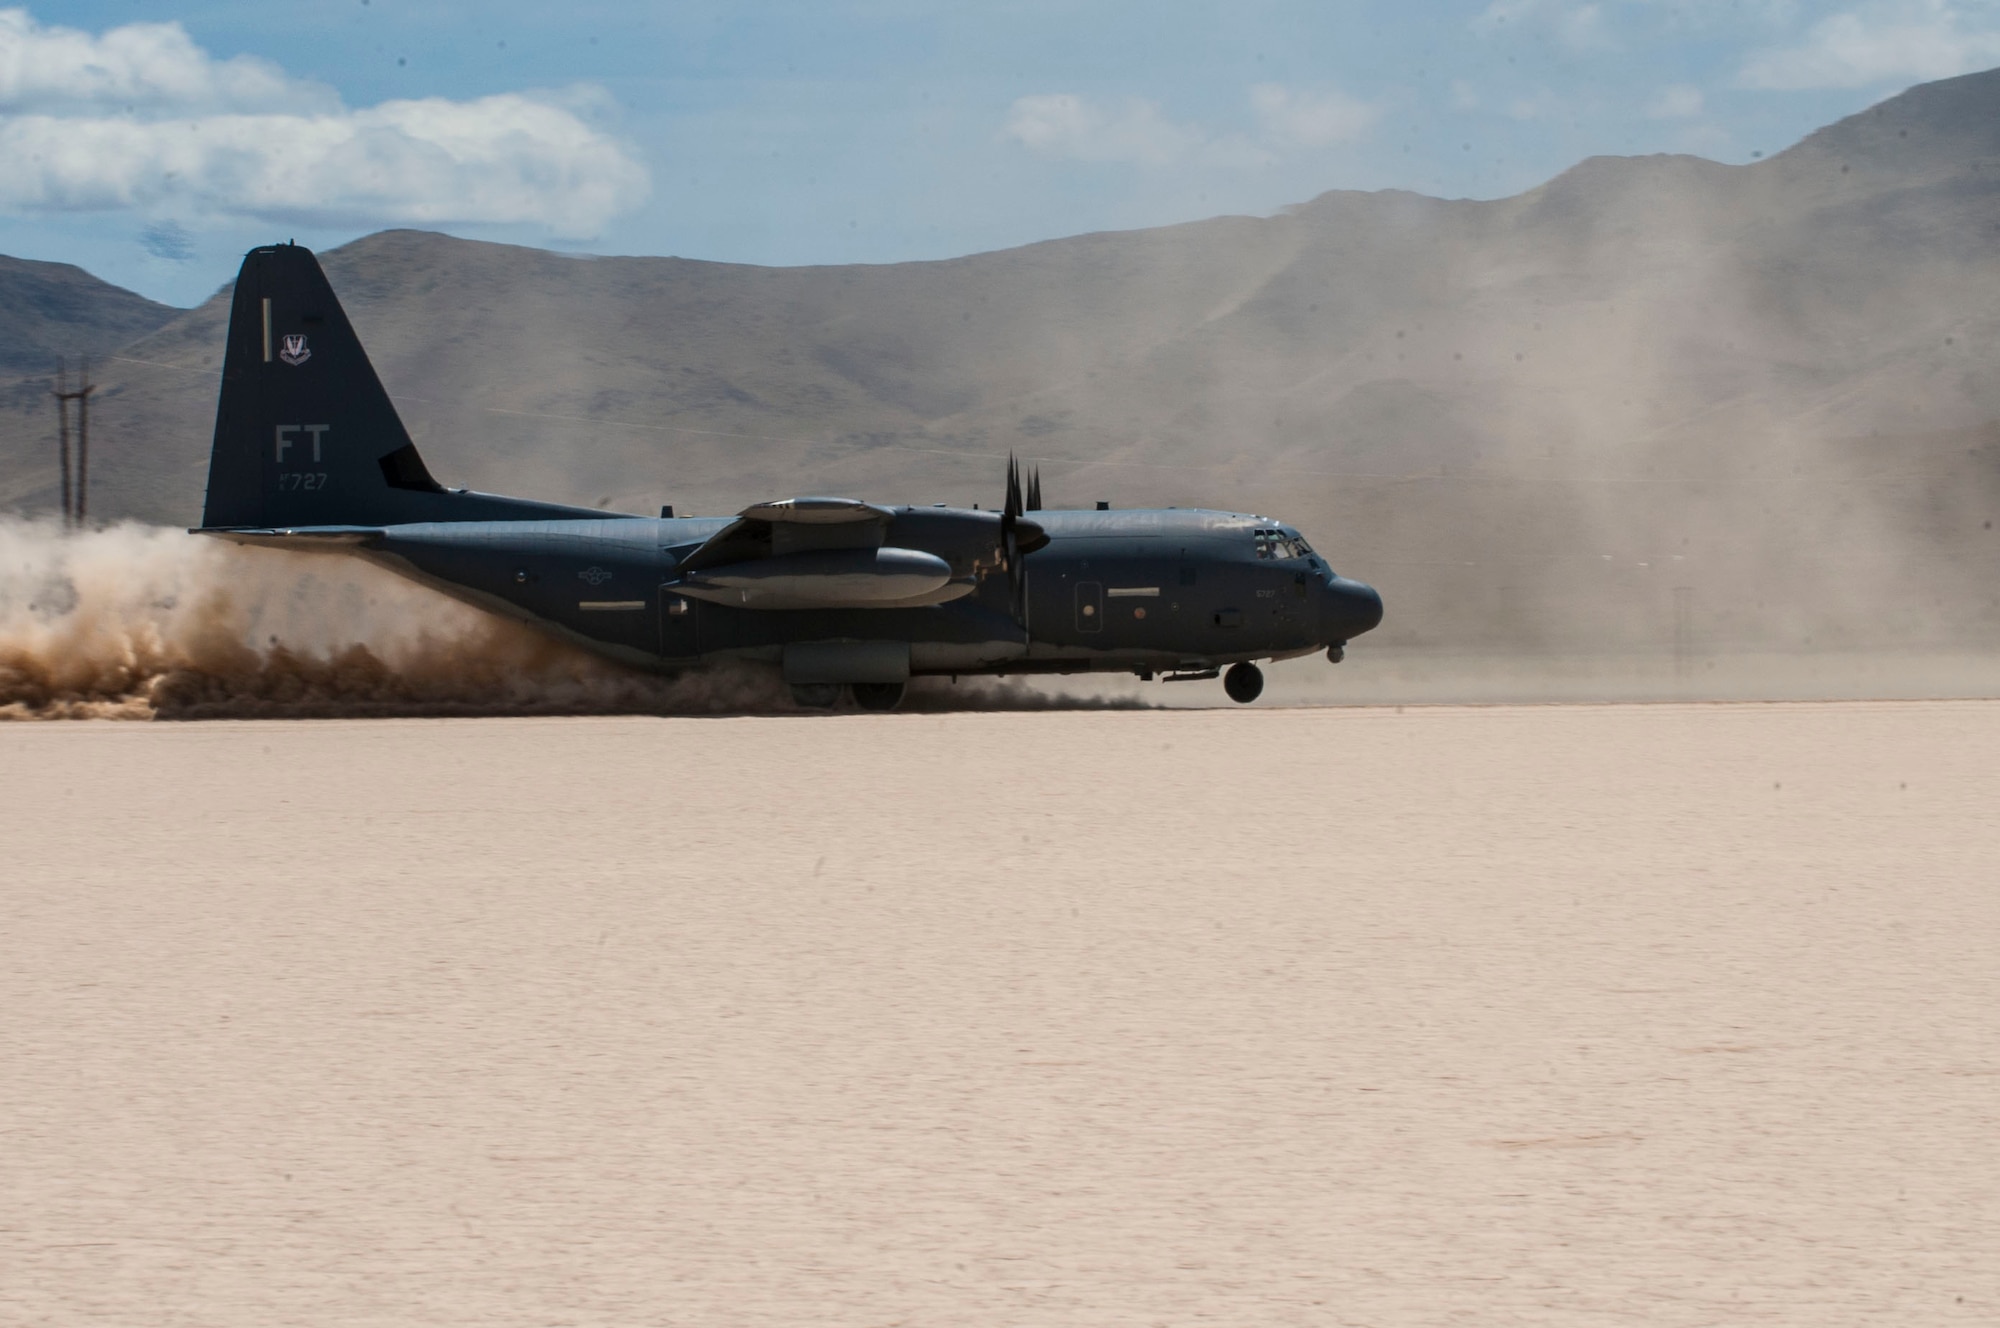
(141, 118)
(1907, 39)
(1061, 124)
(1541, 104)
(1582, 29)
(505, 158)
(140, 66)
(1311, 119)
(1579, 27)
(1502, 12)
(1682, 101)
(1064, 125)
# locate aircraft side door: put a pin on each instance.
(1090, 606)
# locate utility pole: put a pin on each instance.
(75, 500)
(62, 434)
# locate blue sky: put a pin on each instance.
(153, 142)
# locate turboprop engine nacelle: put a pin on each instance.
(884, 578)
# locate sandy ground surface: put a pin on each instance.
(1662, 1015)
(1374, 676)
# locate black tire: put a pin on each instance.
(878, 695)
(1244, 683)
(816, 695)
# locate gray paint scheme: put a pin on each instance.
(309, 453)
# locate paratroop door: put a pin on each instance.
(1089, 606)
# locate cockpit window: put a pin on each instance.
(1278, 545)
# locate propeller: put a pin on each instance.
(1019, 537)
(1010, 543)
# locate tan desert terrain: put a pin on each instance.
(1577, 1015)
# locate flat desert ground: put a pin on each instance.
(1670, 1014)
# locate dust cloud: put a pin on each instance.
(936, 695)
(148, 622)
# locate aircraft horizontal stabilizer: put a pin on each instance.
(295, 537)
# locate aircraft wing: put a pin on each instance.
(792, 525)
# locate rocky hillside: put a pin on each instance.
(51, 309)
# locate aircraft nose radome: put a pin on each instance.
(1352, 607)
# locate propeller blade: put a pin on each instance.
(1010, 543)
(1035, 490)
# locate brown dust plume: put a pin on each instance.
(145, 622)
(148, 622)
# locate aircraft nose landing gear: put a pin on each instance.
(1244, 683)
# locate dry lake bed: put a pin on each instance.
(1669, 1014)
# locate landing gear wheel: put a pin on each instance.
(816, 695)
(878, 695)
(1244, 683)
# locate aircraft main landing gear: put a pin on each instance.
(1244, 683)
(878, 695)
(867, 695)
(816, 695)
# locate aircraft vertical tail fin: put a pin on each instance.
(305, 435)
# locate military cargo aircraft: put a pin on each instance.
(846, 597)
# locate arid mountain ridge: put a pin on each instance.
(1656, 400)
(55, 309)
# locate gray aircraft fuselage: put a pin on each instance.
(1122, 591)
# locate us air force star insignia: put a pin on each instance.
(597, 576)
(295, 352)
